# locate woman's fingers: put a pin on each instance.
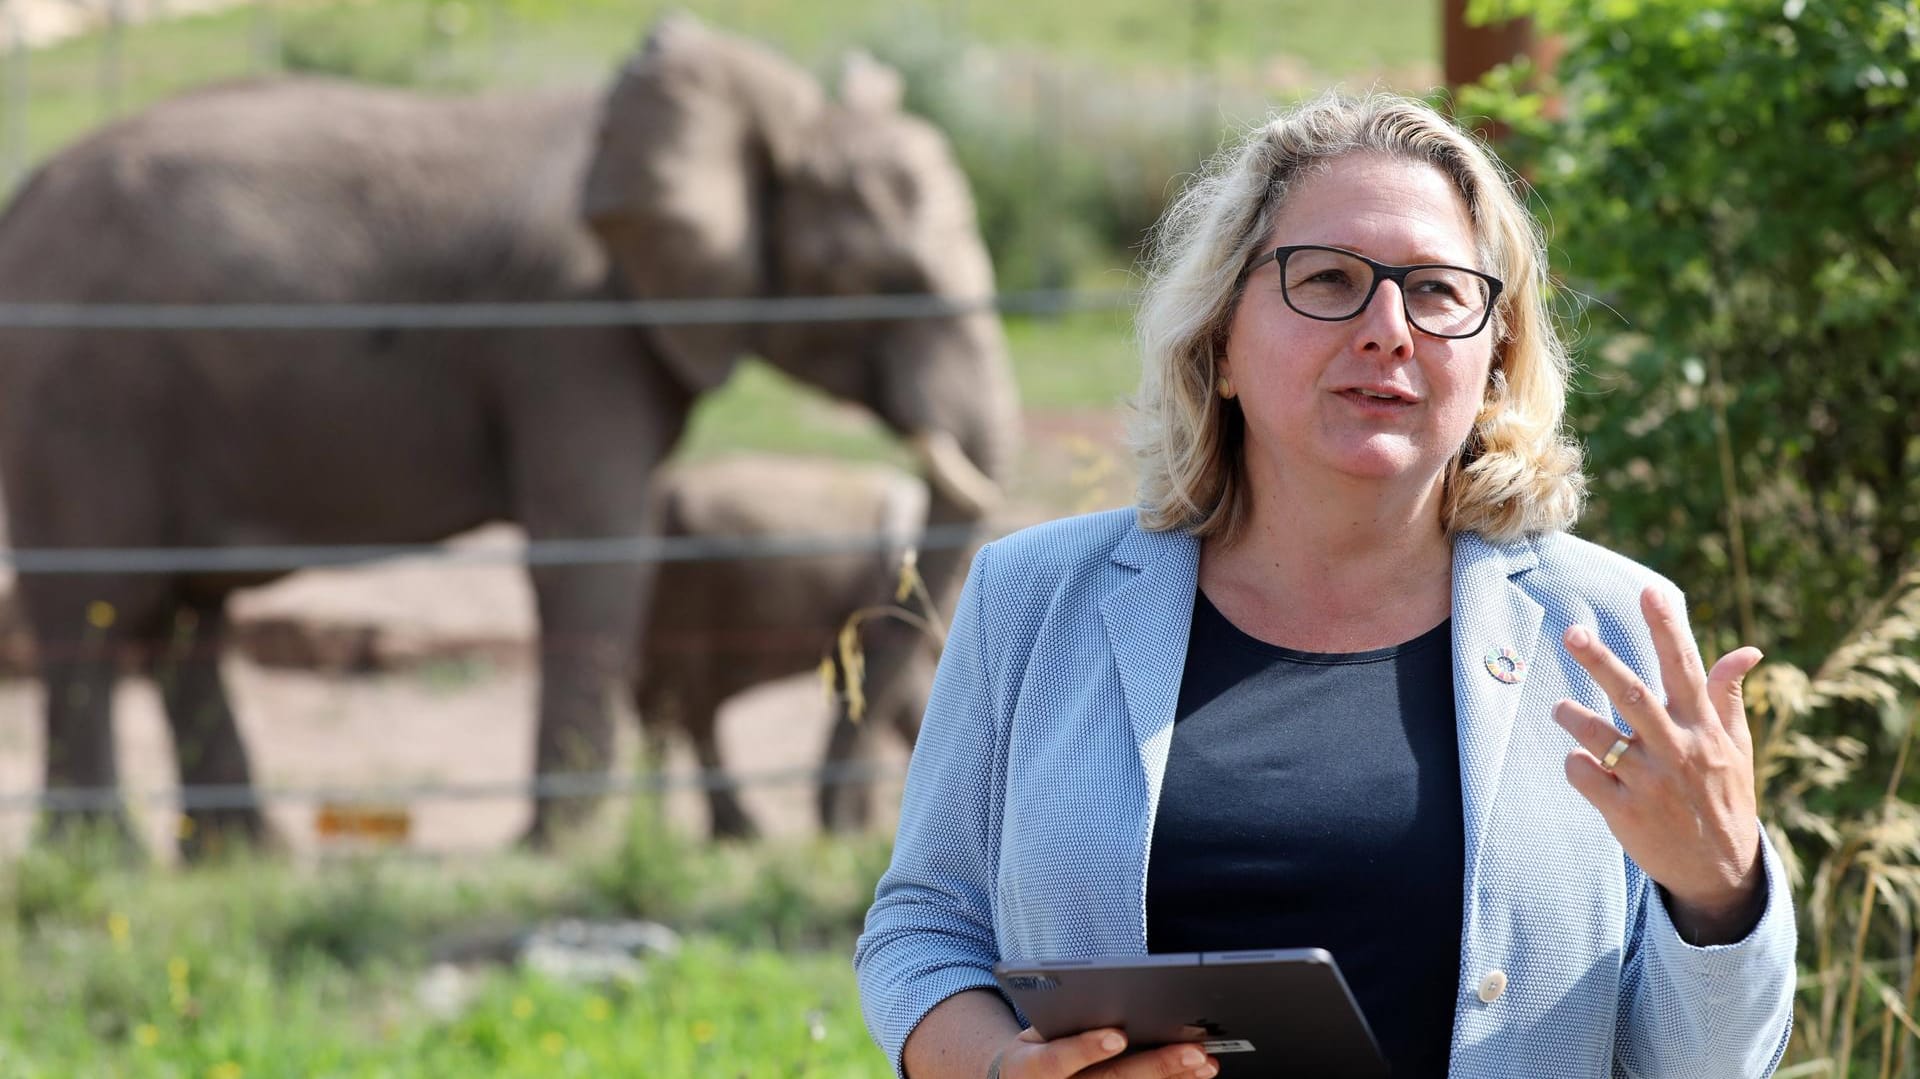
(1726, 691)
(1630, 696)
(1165, 1062)
(1092, 1055)
(1598, 737)
(1062, 1058)
(1681, 671)
(1586, 767)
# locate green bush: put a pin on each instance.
(1734, 184)
(1730, 187)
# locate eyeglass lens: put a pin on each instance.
(1332, 285)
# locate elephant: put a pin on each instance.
(719, 626)
(711, 168)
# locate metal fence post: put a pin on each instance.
(111, 58)
(13, 146)
(266, 38)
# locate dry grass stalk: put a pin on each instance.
(1858, 870)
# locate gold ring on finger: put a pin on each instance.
(1614, 752)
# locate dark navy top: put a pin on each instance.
(1312, 800)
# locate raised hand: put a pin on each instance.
(1678, 793)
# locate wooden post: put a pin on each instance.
(1469, 52)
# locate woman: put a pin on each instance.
(1342, 680)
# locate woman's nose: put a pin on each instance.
(1383, 326)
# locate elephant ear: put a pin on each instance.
(696, 136)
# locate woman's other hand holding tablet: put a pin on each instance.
(1091, 1055)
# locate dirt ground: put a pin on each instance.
(468, 718)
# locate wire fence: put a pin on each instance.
(121, 318)
(771, 310)
(561, 552)
(549, 787)
(552, 552)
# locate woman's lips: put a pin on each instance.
(1379, 405)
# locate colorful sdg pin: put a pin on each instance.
(1504, 665)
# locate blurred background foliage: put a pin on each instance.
(1731, 189)
(1733, 195)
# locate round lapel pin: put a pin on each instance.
(1504, 665)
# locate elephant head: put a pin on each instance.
(724, 171)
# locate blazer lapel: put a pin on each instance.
(1148, 620)
(1496, 636)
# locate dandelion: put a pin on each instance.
(522, 1008)
(703, 1031)
(226, 1069)
(553, 1043)
(177, 988)
(120, 929)
(146, 1035)
(598, 1009)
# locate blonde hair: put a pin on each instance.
(1517, 473)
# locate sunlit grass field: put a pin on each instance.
(259, 968)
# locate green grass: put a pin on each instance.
(1082, 360)
(263, 969)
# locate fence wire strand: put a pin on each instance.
(561, 552)
(542, 315)
(538, 788)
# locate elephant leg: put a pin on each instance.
(78, 728)
(588, 627)
(581, 446)
(84, 630)
(206, 739)
(729, 818)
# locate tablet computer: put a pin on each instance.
(1259, 1013)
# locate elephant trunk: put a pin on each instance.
(964, 453)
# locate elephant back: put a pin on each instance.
(311, 189)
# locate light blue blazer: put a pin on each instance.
(1029, 808)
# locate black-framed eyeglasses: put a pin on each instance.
(1332, 284)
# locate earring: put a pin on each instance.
(1225, 387)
